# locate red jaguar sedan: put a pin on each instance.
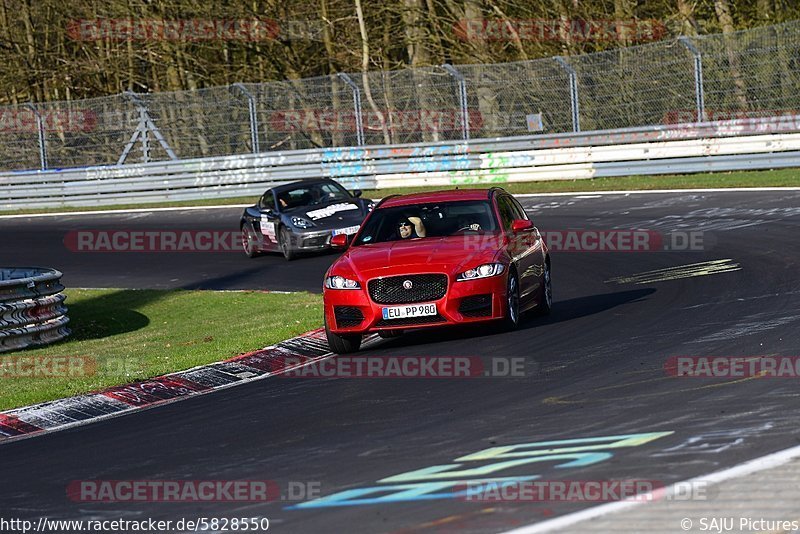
(435, 259)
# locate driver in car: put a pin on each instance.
(410, 227)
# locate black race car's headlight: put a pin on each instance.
(302, 222)
(370, 206)
(482, 271)
(340, 282)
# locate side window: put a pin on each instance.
(267, 202)
(519, 211)
(506, 212)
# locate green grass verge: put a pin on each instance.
(129, 335)
(774, 178)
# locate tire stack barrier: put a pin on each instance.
(32, 310)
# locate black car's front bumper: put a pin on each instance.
(310, 241)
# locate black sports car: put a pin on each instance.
(301, 216)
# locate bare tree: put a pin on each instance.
(723, 11)
(362, 28)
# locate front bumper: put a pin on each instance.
(312, 240)
(352, 311)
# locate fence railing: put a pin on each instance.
(32, 308)
(762, 143)
(751, 73)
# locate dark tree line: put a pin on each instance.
(50, 51)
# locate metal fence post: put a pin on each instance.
(573, 92)
(357, 105)
(462, 98)
(40, 128)
(251, 108)
(698, 77)
(145, 125)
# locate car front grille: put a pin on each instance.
(424, 287)
(410, 321)
(476, 306)
(347, 316)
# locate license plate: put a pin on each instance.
(411, 310)
(350, 230)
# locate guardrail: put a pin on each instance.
(32, 310)
(742, 144)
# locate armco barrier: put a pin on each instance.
(32, 308)
(741, 144)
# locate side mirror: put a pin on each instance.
(340, 241)
(521, 225)
(357, 193)
(269, 214)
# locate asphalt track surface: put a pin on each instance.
(595, 368)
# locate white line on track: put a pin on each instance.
(521, 195)
(751, 466)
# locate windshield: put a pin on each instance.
(311, 195)
(422, 221)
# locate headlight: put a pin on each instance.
(301, 222)
(340, 282)
(370, 206)
(482, 271)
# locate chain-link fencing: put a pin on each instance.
(744, 74)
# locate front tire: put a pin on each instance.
(286, 245)
(342, 344)
(512, 318)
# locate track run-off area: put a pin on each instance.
(595, 396)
